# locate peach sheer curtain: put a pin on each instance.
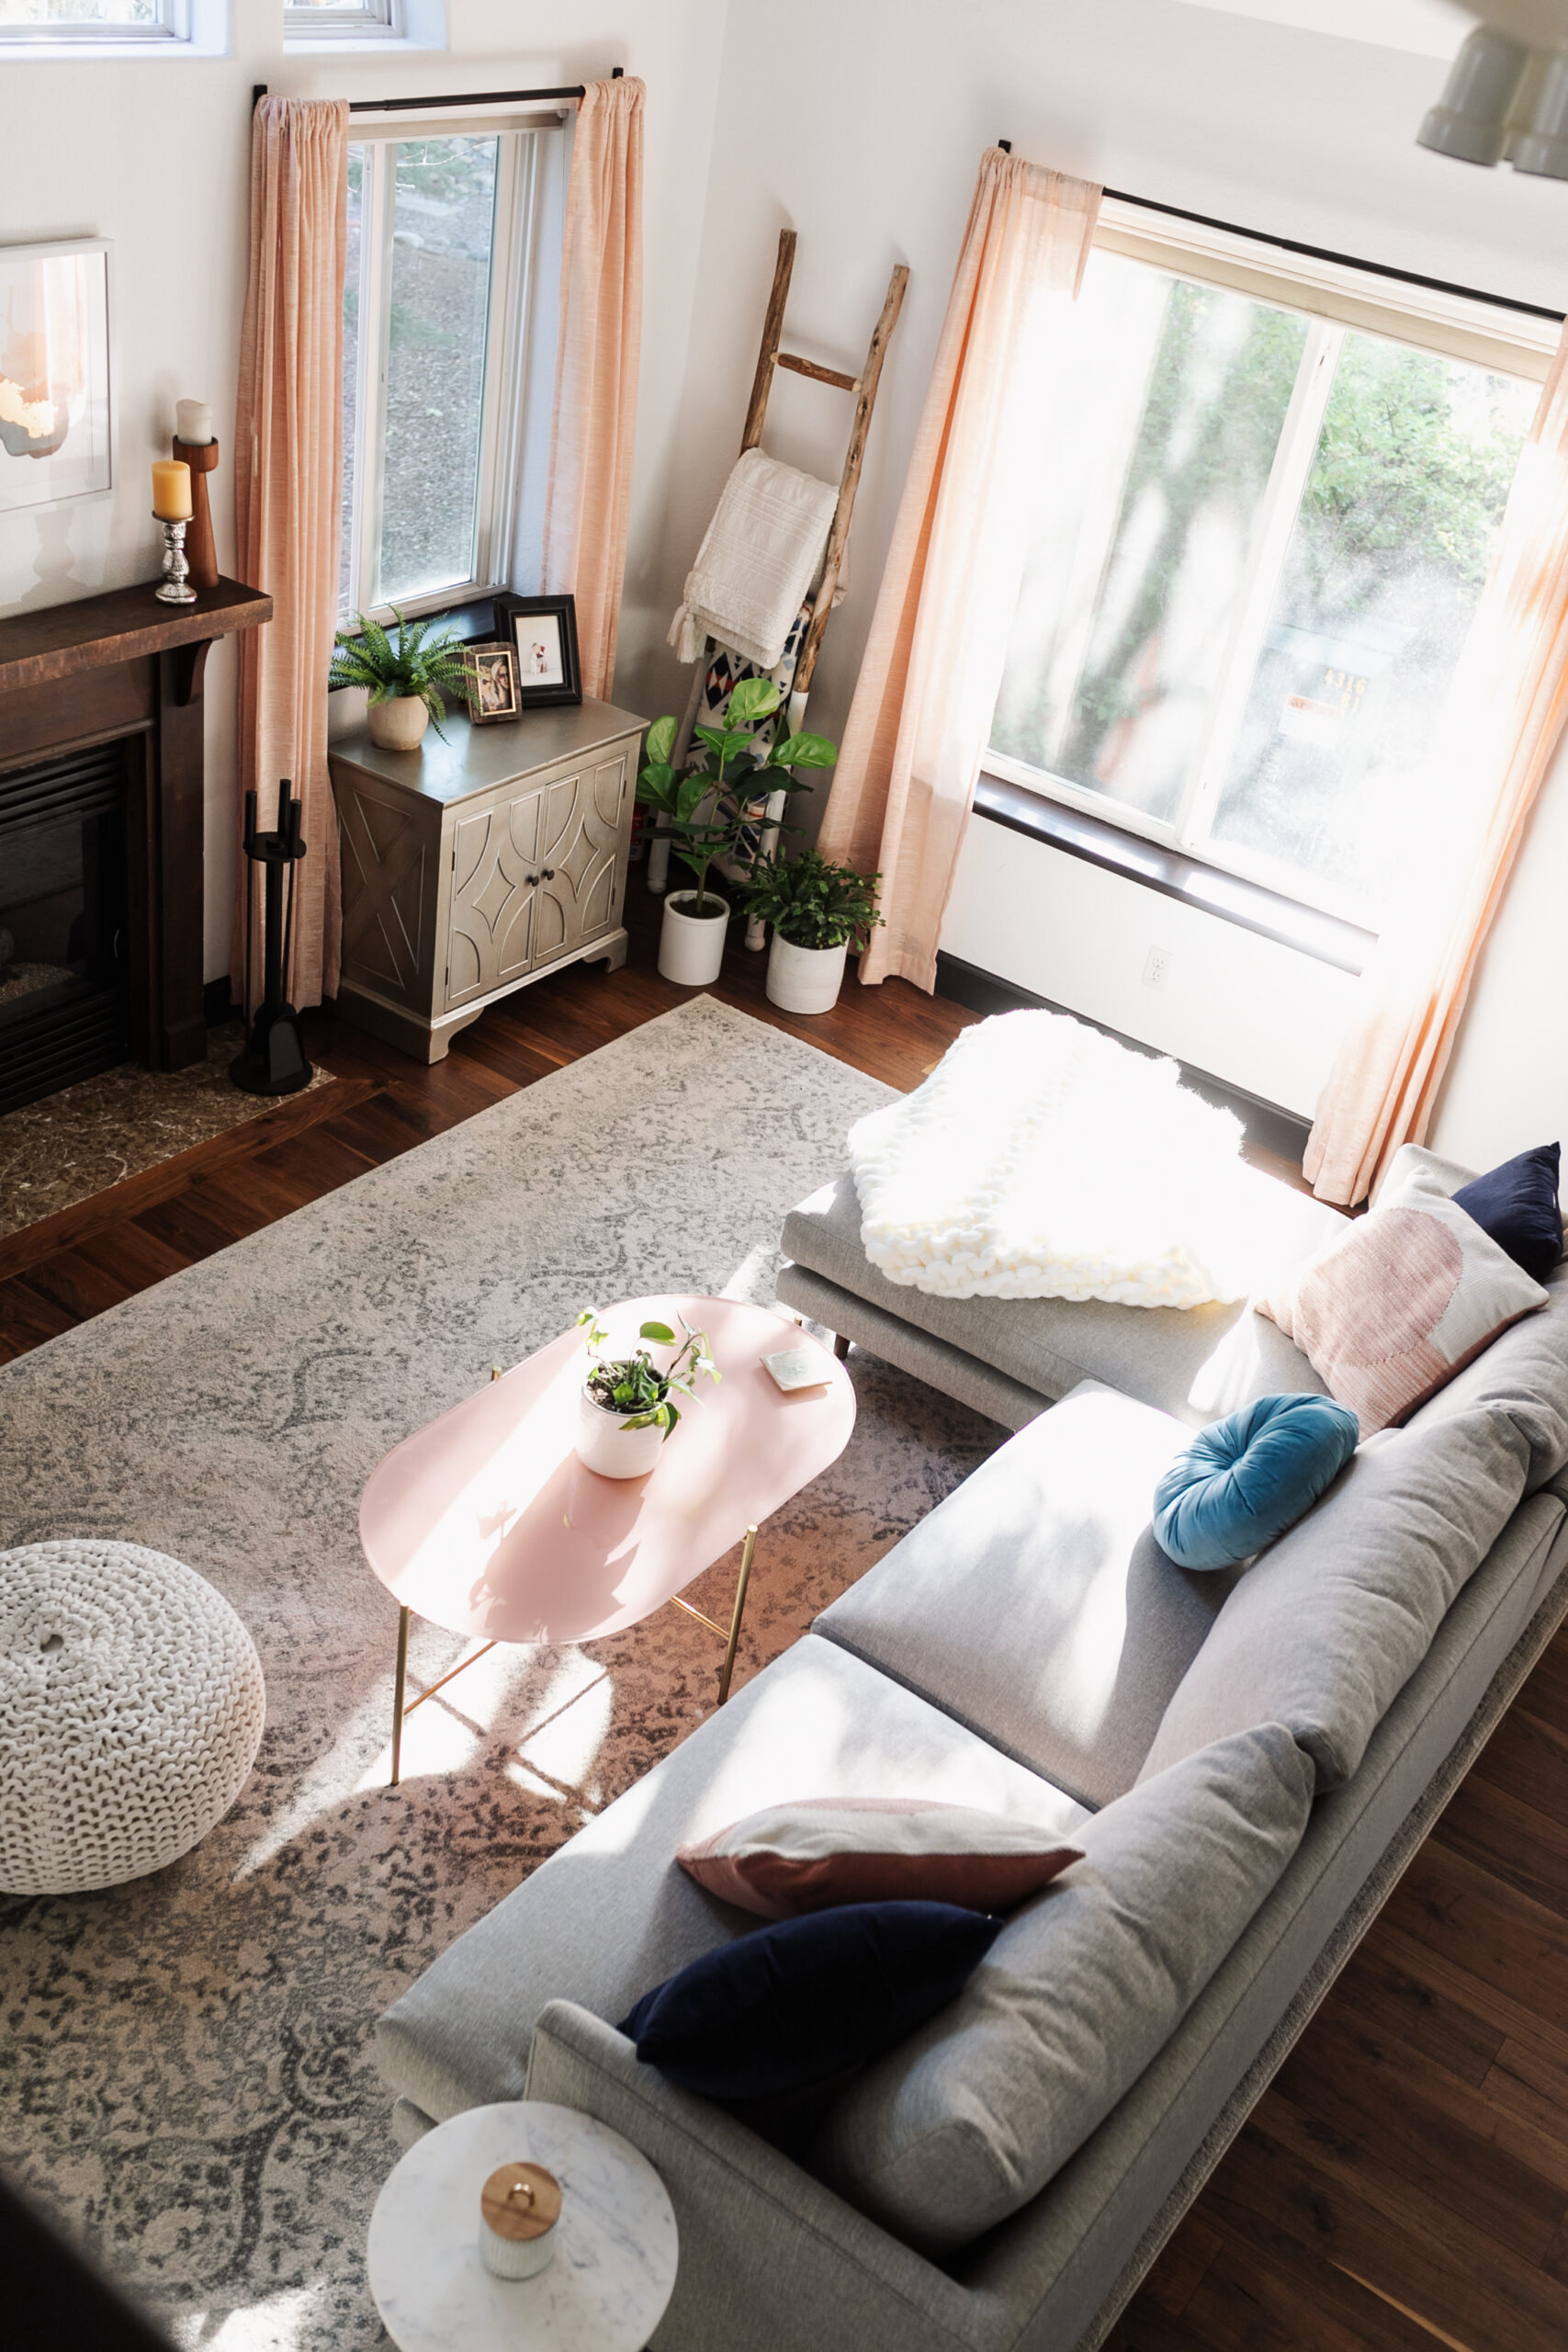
(1499, 730)
(933, 661)
(594, 423)
(288, 504)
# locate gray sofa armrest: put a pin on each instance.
(767, 2254)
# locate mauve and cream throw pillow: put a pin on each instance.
(1408, 1297)
(822, 1851)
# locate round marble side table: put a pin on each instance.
(615, 2242)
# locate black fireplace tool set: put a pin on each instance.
(273, 1060)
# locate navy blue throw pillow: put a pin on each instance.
(1244, 1480)
(794, 2004)
(1516, 1205)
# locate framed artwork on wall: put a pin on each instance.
(544, 630)
(56, 423)
(491, 673)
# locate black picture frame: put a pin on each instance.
(513, 613)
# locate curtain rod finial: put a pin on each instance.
(259, 92)
(617, 73)
(1006, 146)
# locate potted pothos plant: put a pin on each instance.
(405, 680)
(627, 1408)
(708, 807)
(818, 912)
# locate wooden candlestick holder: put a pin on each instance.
(201, 457)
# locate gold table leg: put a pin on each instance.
(399, 1686)
(727, 1668)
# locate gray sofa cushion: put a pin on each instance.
(611, 1913)
(1325, 1630)
(967, 2120)
(1196, 1362)
(1034, 1603)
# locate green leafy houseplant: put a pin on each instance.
(632, 1386)
(727, 766)
(813, 903)
(417, 665)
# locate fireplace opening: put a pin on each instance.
(64, 958)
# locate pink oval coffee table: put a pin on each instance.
(486, 1522)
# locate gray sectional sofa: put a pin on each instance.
(1246, 1759)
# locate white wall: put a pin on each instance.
(155, 154)
(862, 128)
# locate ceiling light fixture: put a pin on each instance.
(1505, 100)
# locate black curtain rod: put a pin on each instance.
(460, 98)
(1322, 252)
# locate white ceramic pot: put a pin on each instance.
(804, 979)
(606, 1445)
(397, 724)
(690, 949)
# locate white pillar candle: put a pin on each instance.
(193, 423)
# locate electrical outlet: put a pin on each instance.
(1157, 968)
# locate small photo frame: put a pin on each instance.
(544, 632)
(490, 673)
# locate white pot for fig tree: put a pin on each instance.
(691, 946)
(605, 1443)
(804, 979)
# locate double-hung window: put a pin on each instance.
(331, 19)
(436, 360)
(1263, 516)
(117, 20)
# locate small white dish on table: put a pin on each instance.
(616, 2243)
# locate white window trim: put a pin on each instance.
(1334, 296)
(407, 24)
(511, 292)
(185, 29)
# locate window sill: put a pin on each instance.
(1209, 888)
(424, 27)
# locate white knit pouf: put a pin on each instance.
(131, 1711)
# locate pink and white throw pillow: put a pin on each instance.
(791, 1859)
(1409, 1294)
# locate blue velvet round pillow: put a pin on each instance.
(1244, 1480)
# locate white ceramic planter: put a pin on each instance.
(397, 724)
(691, 950)
(804, 979)
(604, 1444)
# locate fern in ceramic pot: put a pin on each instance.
(405, 680)
(626, 1407)
(819, 911)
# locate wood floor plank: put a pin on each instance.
(1420, 2019)
(1316, 2283)
(1181, 2264)
(77, 1285)
(28, 1319)
(1481, 2163)
(1456, 1907)
(1509, 1836)
(1528, 1755)
(1450, 1978)
(127, 1250)
(1372, 2224)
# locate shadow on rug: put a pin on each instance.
(187, 2074)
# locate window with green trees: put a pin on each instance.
(1257, 543)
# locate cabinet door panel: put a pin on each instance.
(580, 886)
(387, 918)
(493, 876)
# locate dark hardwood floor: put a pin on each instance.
(1405, 2181)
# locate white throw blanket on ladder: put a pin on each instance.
(758, 560)
(1042, 1161)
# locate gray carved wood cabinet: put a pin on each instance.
(474, 865)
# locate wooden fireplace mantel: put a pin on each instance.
(122, 666)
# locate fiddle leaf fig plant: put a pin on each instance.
(418, 665)
(706, 805)
(634, 1385)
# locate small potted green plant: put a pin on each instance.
(819, 911)
(405, 680)
(708, 808)
(627, 1408)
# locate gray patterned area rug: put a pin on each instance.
(186, 2077)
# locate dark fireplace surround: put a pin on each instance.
(101, 724)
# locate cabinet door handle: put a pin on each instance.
(548, 873)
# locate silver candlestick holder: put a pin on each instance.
(176, 571)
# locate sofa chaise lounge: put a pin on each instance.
(1028, 1648)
